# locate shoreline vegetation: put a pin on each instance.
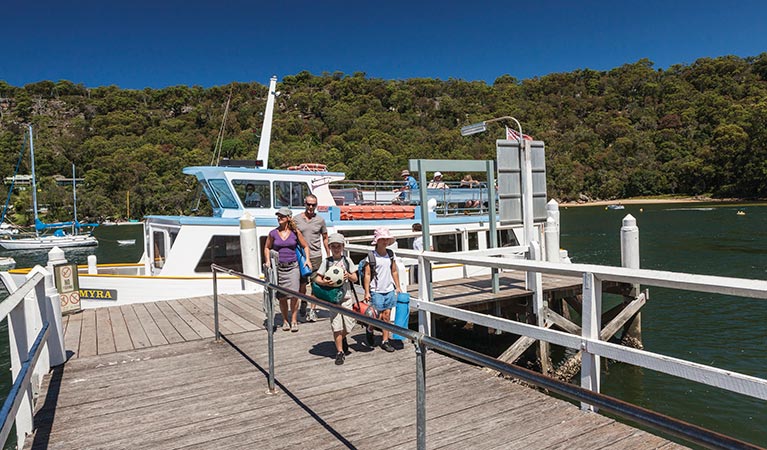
(660, 200)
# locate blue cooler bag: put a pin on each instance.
(402, 313)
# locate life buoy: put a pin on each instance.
(310, 167)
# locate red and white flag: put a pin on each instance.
(514, 136)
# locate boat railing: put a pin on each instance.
(451, 200)
(36, 343)
(422, 341)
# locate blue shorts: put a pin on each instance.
(382, 302)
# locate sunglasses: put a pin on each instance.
(310, 205)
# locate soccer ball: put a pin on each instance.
(335, 275)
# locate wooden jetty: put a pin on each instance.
(152, 376)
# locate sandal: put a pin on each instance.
(294, 327)
(285, 326)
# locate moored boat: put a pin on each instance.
(178, 250)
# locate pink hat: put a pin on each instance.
(381, 233)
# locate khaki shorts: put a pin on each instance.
(339, 322)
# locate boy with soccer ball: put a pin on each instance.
(340, 324)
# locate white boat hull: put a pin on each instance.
(48, 242)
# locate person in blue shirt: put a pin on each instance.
(410, 184)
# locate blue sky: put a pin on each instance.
(161, 43)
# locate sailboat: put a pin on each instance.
(59, 238)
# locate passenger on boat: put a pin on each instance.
(340, 325)
(284, 239)
(410, 184)
(252, 198)
(315, 232)
(437, 183)
(469, 182)
(382, 287)
(418, 242)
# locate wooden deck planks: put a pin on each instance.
(120, 331)
(88, 336)
(139, 339)
(72, 335)
(105, 341)
(167, 329)
(153, 332)
(190, 319)
(204, 394)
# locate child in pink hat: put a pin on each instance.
(382, 287)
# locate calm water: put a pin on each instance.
(722, 331)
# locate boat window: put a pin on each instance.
(506, 238)
(448, 243)
(473, 241)
(173, 235)
(207, 192)
(253, 194)
(290, 193)
(158, 238)
(222, 192)
(221, 250)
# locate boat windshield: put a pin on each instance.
(222, 192)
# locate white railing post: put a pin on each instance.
(19, 346)
(592, 305)
(424, 293)
(249, 248)
(58, 354)
(551, 240)
(630, 259)
(535, 283)
(39, 316)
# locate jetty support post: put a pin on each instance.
(56, 351)
(249, 249)
(534, 282)
(592, 306)
(632, 335)
(551, 232)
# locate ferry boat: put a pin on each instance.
(180, 249)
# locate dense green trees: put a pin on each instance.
(630, 131)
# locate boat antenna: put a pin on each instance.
(266, 128)
(220, 139)
(34, 183)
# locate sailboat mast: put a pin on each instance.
(74, 198)
(266, 128)
(34, 183)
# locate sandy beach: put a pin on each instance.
(648, 201)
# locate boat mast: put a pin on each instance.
(266, 128)
(34, 183)
(74, 198)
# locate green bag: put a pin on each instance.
(332, 295)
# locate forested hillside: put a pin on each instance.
(634, 130)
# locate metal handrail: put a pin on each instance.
(660, 422)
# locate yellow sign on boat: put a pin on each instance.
(98, 294)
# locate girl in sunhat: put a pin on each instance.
(382, 287)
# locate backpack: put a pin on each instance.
(371, 259)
